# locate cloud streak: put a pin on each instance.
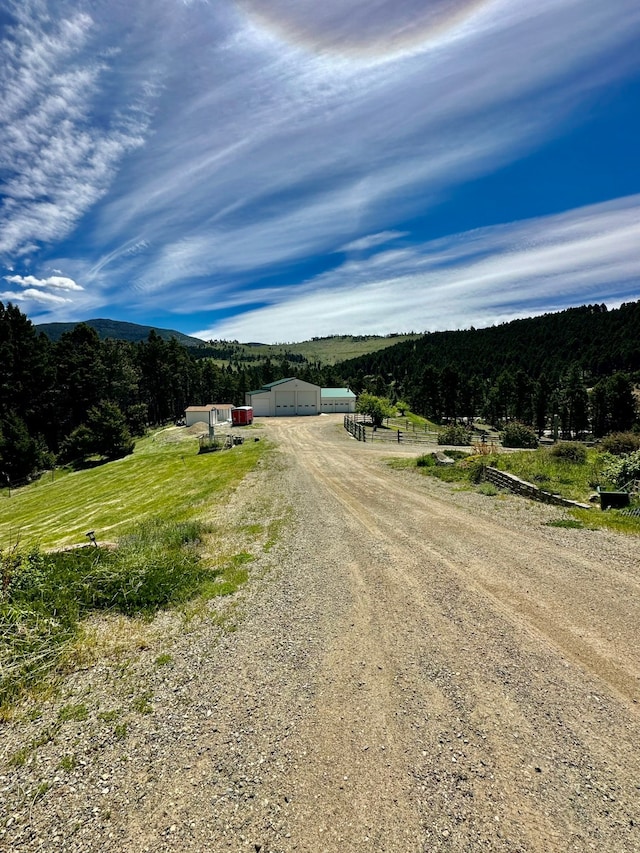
(58, 282)
(56, 155)
(194, 157)
(480, 278)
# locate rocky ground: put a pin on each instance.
(411, 667)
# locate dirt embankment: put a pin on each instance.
(413, 668)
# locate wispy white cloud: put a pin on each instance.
(288, 152)
(34, 298)
(175, 155)
(57, 282)
(58, 148)
(480, 278)
(372, 240)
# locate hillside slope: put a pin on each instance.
(118, 329)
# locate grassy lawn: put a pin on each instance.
(164, 477)
(156, 504)
(413, 423)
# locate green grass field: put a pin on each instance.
(164, 478)
(328, 350)
(157, 505)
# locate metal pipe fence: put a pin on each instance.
(363, 430)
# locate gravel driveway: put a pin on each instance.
(411, 667)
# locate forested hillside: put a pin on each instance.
(577, 364)
(82, 396)
(118, 330)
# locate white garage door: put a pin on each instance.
(260, 405)
(285, 402)
(307, 403)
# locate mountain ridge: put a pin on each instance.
(118, 329)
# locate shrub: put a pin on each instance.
(519, 435)
(427, 460)
(621, 469)
(376, 408)
(621, 442)
(570, 451)
(454, 434)
(489, 490)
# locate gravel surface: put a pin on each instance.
(411, 667)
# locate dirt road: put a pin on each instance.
(418, 669)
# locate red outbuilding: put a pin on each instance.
(242, 415)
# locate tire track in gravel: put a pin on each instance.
(412, 669)
(478, 654)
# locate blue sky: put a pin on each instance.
(273, 170)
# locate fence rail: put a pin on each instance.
(362, 429)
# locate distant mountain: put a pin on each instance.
(119, 330)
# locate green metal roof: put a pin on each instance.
(337, 392)
(343, 393)
(277, 382)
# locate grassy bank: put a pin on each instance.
(164, 477)
(576, 481)
(153, 507)
(45, 596)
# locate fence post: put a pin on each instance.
(399, 436)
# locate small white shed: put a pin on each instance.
(212, 413)
(199, 414)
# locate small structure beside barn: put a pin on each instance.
(242, 415)
(296, 397)
(340, 400)
(212, 413)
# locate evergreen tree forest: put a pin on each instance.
(82, 396)
(575, 371)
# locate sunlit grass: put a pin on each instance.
(165, 492)
(164, 477)
(611, 519)
(412, 422)
(575, 481)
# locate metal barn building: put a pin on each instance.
(296, 397)
(340, 400)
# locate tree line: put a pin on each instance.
(573, 372)
(82, 396)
